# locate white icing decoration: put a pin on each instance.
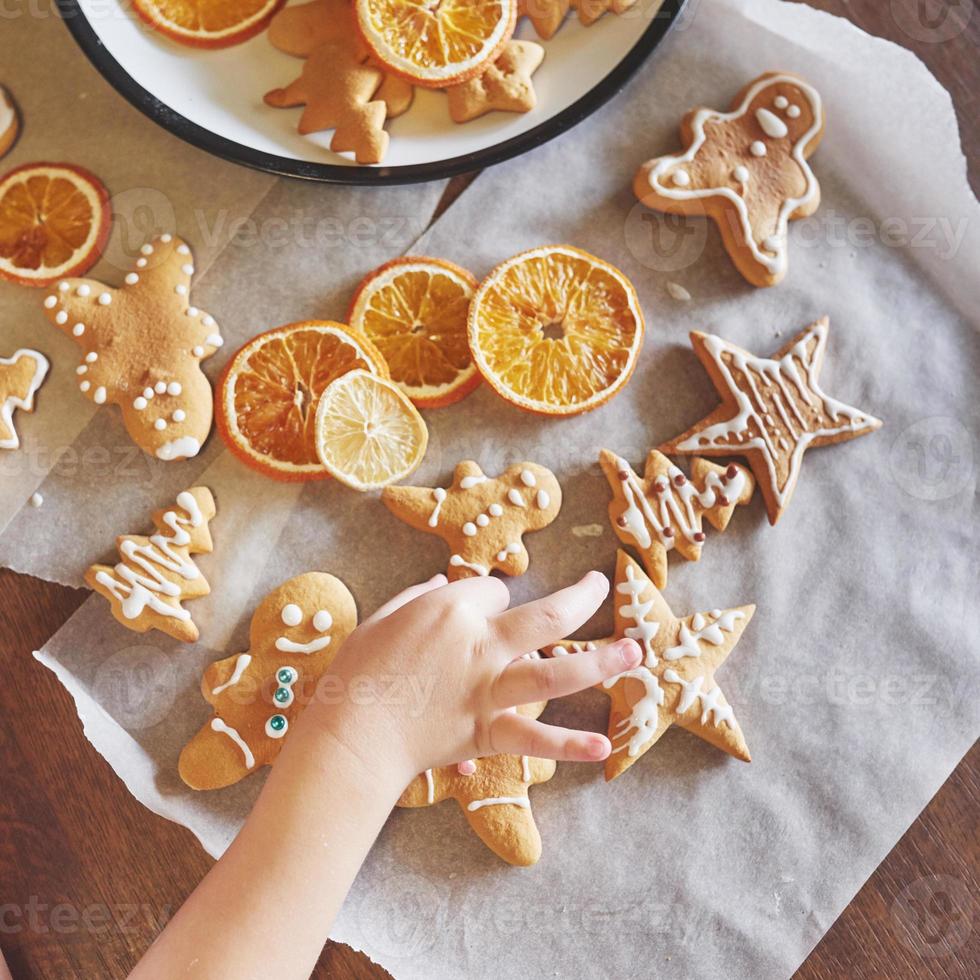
(676, 291)
(528, 479)
(78, 329)
(757, 148)
(159, 424)
(468, 482)
(643, 631)
(430, 786)
(780, 102)
(136, 591)
(525, 769)
(542, 499)
(81, 369)
(796, 370)
(160, 387)
(147, 393)
(100, 395)
(741, 173)
(482, 520)
(771, 124)
(84, 289)
(182, 249)
(166, 238)
(179, 415)
(183, 448)
(105, 299)
(776, 264)
(286, 645)
(244, 659)
(218, 725)
(131, 279)
(512, 548)
(457, 561)
(197, 351)
(36, 499)
(85, 385)
(61, 318)
(724, 622)
(469, 529)
(322, 621)
(91, 357)
(681, 177)
(50, 302)
(187, 269)
(514, 496)
(272, 733)
(793, 112)
(521, 801)
(191, 311)
(710, 700)
(439, 495)
(291, 614)
(180, 289)
(644, 716)
(212, 339)
(146, 249)
(495, 510)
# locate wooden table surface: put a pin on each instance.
(88, 876)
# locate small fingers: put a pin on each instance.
(551, 618)
(485, 594)
(513, 734)
(406, 596)
(525, 681)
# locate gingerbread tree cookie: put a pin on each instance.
(257, 695)
(142, 347)
(747, 169)
(156, 573)
(772, 411)
(675, 682)
(483, 520)
(505, 86)
(20, 377)
(493, 794)
(665, 509)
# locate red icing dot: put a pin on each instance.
(680, 480)
(659, 486)
(723, 500)
(623, 475)
(668, 531)
(699, 535)
(731, 472)
(621, 520)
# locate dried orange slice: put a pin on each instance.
(368, 433)
(207, 23)
(556, 330)
(54, 222)
(270, 391)
(435, 43)
(414, 309)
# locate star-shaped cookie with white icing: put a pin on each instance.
(675, 681)
(142, 346)
(747, 169)
(482, 519)
(772, 410)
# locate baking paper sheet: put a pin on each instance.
(857, 681)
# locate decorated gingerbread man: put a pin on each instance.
(257, 695)
(747, 169)
(142, 347)
(482, 519)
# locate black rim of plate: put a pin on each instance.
(110, 69)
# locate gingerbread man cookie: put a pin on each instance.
(156, 573)
(675, 682)
(142, 347)
(747, 169)
(505, 86)
(9, 122)
(20, 377)
(257, 695)
(772, 411)
(483, 520)
(493, 795)
(664, 510)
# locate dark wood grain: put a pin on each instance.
(71, 908)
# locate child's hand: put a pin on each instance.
(433, 677)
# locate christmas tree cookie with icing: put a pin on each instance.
(20, 377)
(747, 169)
(257, 696)
(665, 509)
(156, 573)
(493, 794)
(675, 682)
(142, 346)
(482, 519)
(772, 410)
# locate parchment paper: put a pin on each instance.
(857, 681)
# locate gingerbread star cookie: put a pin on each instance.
(142, 347)
(337, 86)
(258, 695)
(665, 509)
(482, 519)
(772, 411)
(493, 794)
(675, 682)
(747, 169)
(20, 377)
(505, 86)
(156, 573)
(9, 122)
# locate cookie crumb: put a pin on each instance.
(678, 292)
(588, 530)
(36, 500)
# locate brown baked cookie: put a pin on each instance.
(156, 573)
(9, 122)
(665, 509)
(257, 695)
(142, 347)
(336, 87)
(482, 519)
(675, 682)
(548, 15)
(493, 794)
(772, 410)
(747, 169)
(20, 377)
(505, 86)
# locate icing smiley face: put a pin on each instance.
(747, 169)
(295, 633)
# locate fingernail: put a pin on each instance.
(438, 577)
(598, 747)
(598, 578)
(630, 652)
